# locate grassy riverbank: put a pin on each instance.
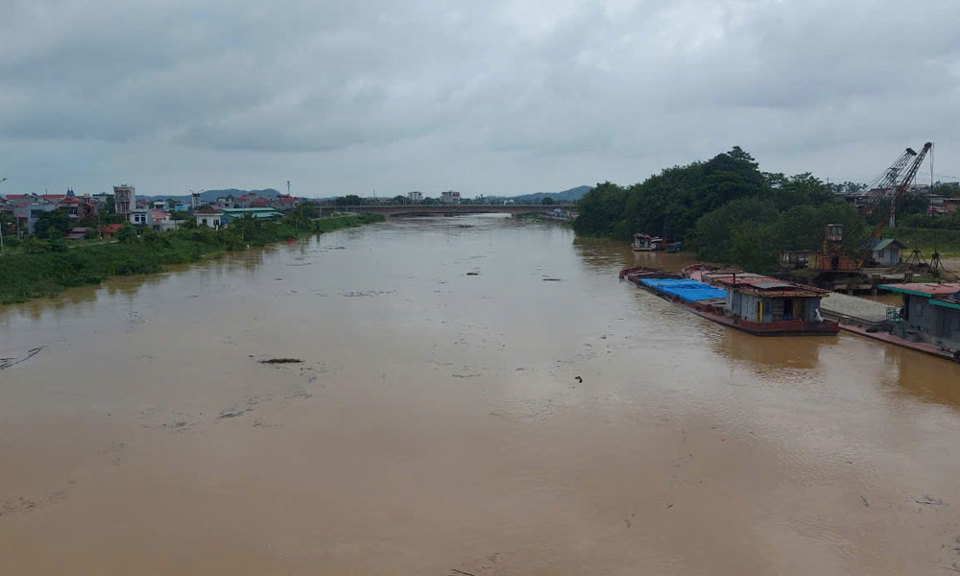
(45, 268)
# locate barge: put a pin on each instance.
(647, 243)
(752, 303)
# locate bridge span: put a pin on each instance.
(450, 209)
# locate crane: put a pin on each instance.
(898, 193)
(887, 181)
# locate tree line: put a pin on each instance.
(728, 211)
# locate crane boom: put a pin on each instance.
(886, 183)
(898, 193)
(907, 180)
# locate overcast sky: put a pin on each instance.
(490, 97)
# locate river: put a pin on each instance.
(437, 424)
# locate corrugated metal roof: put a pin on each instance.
(945, 303)
(767, 286)
(923, 288)
(881, 243)
(771, 285)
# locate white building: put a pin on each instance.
(141, 217)
(415, 196)
(450, 197)
(100, 198)
(209, 218)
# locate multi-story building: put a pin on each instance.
(415, 196)
(101, 198)
(450, 197)
(124, 200)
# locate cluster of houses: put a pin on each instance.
(26, 209)
(938, 204)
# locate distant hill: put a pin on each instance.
(571, 195)
(212, 195)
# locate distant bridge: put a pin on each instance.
(449, 209)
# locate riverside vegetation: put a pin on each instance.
(728, 211)
(38, 268)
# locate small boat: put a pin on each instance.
(707, 272)
(634, 273)
(749, 302)
(647, 243)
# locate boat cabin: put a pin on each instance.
(796, 259)
(647, 243)
(771, 302)
(930, 313)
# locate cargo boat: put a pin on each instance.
(749, 302)
(647, 243)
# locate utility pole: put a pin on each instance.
(1, 224)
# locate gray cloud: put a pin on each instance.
(496, 97)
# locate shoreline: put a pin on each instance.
(49, 270)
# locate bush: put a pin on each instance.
(127, 234)
(44, 268)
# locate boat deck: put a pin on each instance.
(853, 310)
(897, 341)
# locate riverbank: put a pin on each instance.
(44, 269)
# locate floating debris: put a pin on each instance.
(367, 293)
(233, 413)
(8, 362)
(282, 361)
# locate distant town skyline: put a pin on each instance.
(499, 98)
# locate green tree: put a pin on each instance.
(349, 200)
(752, 246)
(600, 210)
(55, 222)
(127, 234)
(948, 189)
(7, 226)
(301, 216)
(721, 235)
(799, 228)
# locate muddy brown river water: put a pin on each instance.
(436, 424)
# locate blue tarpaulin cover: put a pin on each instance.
(686, 290)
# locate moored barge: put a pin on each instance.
(749, 302)
(646, 243)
